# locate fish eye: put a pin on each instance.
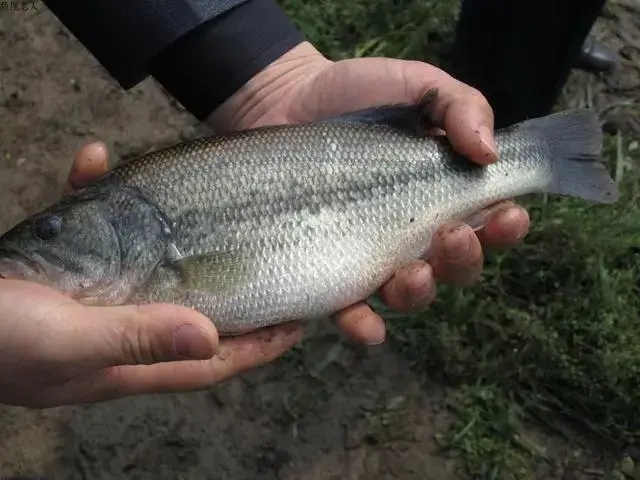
(47, 228)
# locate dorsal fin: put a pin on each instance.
(406, 117)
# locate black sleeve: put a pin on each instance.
(200, 51)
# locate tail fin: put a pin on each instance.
(574, 139)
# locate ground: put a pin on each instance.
(330, 410)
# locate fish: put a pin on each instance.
(290, 222)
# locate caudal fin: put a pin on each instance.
(574, 139)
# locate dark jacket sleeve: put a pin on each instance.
(201, 51)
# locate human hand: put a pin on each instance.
(303, 86)
(56, 351)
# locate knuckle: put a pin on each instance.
(136, 344)
(114, 383)
(472, 95)
(476, 94)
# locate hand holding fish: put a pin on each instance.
(304, 86)
(86, 353)
(271, 225)
(56, 351)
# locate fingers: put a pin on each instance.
(90, 162)
(131, 335)
(505, 228)
(457, 255)
(467, 119)
(362, 324)
(239, 354)
(462, 111)
(235, 356)
(411, 288)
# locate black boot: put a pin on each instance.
(596, 57)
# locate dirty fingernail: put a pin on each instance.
(512, 222)
(373, 343)
(191, 342)
(488, 143)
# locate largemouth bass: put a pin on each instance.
(263, 226)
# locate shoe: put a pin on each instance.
(596, 57)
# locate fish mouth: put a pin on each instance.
(15, 266)
(15, 263)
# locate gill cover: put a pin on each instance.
(96, 244)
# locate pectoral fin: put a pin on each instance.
(214, 272)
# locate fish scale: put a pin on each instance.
(297, 221)
(392, 182)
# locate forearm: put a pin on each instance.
(201, 54)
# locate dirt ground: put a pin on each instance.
(378, 418)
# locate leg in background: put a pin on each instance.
(520, 53)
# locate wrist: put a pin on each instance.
(267, 91)
(205, 67)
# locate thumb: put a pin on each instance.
(147, 334)
(90, 162)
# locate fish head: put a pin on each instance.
(72, 247)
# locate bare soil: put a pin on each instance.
(366, 416)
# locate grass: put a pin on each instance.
(398, 28)
(551, 336)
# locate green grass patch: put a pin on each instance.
(420, 30)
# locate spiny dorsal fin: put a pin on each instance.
(412, 118)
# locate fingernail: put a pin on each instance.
(191, 342)
(489, 149)
(379, 341)
(508, 217)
